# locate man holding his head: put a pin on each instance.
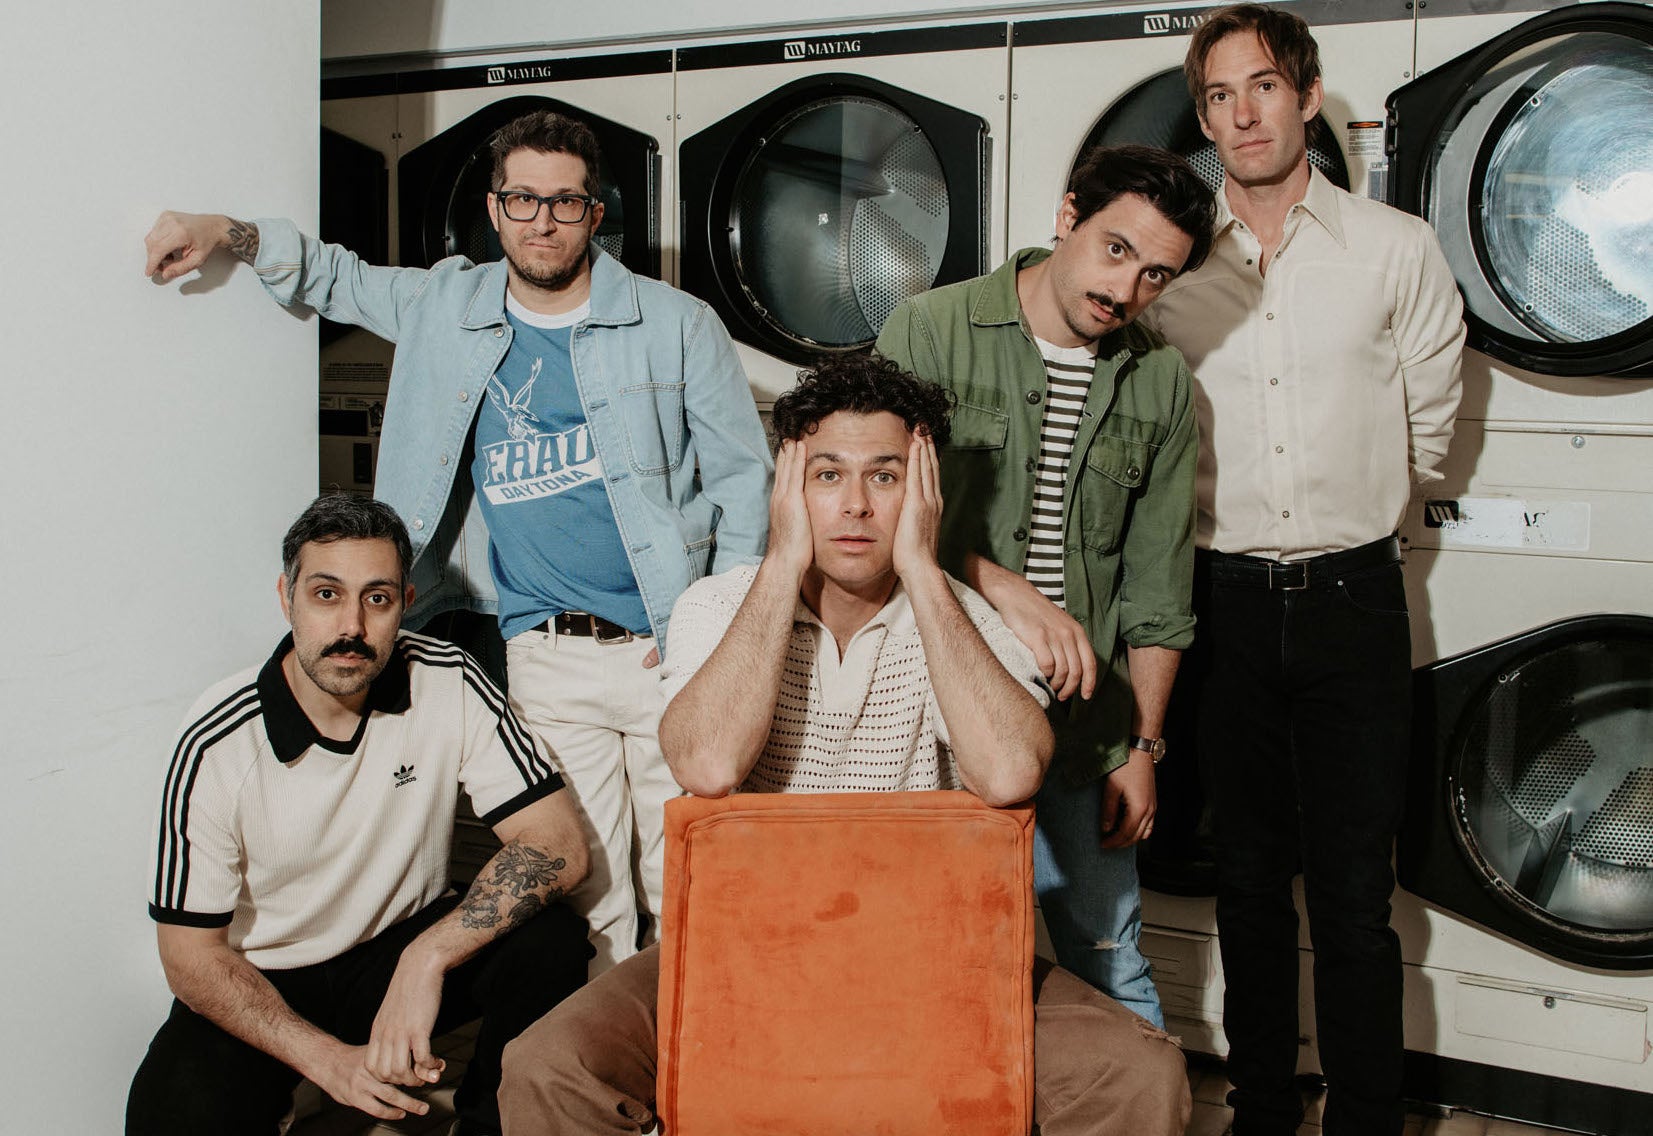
(301, 870)
(1324, 333)
(571, 445)
(849, 660)
(1071, 470)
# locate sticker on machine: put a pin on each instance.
(1509, 522)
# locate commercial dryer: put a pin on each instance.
(1116, 76)
(825, 178)
(431, 126)
(1528, 845)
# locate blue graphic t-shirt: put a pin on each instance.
(553, 543)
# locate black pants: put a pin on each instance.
(198, 1080)
(1304, 734)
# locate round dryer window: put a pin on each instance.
(840, 213)
(1551, 785)
(1540, 186)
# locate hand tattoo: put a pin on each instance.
(521, 871)
(244, 240)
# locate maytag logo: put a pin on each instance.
(1441, 514)
(519, 74)
(1164, 23)
(795, 49)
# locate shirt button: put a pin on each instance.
(1274, 382)
(464, 396)
(499, 333)
(1020, 534)
(1285, 512)
(1269, 315)
(418, 524)
(1033, 396)
(1277, 449)
(1032, 465)
(1248, 260)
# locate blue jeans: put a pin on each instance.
(1090, 897)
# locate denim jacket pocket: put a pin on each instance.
(1114, 470)
(699, 553)
(653, 417)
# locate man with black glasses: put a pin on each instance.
(584, 433)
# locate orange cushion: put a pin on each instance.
(854, 963)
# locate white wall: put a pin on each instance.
(155, 445)
(353, 28)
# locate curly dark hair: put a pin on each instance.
(862, 382)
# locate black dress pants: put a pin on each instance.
(198, 1080)
(1304, 735)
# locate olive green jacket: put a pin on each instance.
(1128, 506)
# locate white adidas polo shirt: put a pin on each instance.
(303, 846)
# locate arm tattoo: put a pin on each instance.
(517, 871)
(244, 240)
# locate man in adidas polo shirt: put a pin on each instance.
(860, 665)
(1071, 478)
(302, 864)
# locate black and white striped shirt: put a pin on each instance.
(1068, 372)
(304, 846)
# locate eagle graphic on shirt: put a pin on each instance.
(532, 462)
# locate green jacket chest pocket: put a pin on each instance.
(1115, 469)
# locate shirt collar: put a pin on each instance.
(1320, 201)
(896, 614)
(288, 727)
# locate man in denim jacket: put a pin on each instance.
(570, 446)
(1070, 488)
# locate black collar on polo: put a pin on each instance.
(289, 728)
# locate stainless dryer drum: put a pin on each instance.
(1533, 159)
(840, 213)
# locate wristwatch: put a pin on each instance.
(1153, 747)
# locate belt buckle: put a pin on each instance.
(1301, 567)
(625, 636)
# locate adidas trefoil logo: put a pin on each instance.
(405, 776)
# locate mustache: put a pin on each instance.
(1107, 301)
(352, 646)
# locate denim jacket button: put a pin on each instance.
(418, 524)
(499, 333)
(464, 396)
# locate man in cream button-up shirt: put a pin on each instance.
(1324, 333)
(1357, 326)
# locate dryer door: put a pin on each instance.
(811, 213)
(1159, 113)
(1531, 809)
(445, 182)
(1533, 158)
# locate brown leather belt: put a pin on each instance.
(1296, 575)
(590, 626)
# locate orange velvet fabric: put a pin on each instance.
(846, 964)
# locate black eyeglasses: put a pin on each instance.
(566, 208)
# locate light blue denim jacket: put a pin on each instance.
(684, 456)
